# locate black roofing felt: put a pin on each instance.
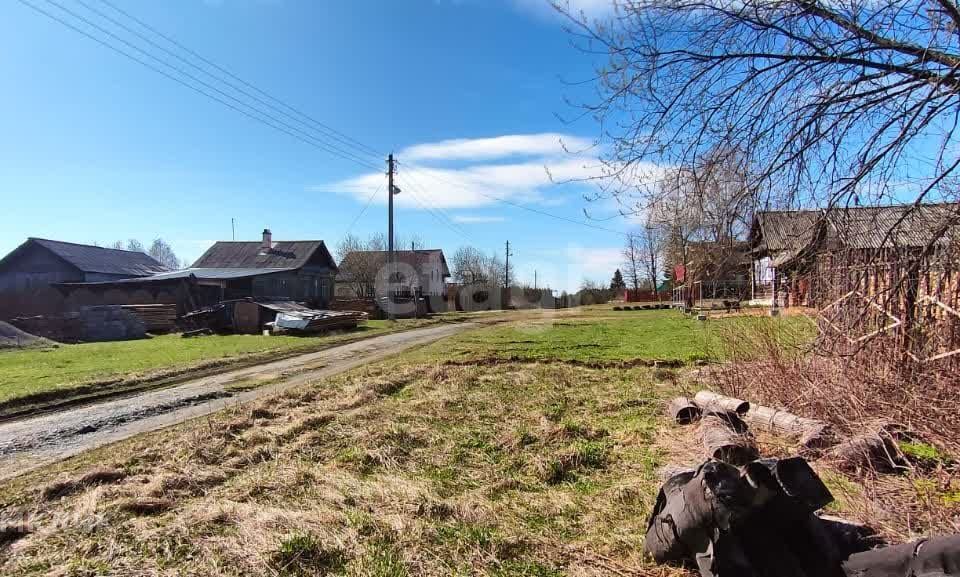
(282, 254)
(97, 259)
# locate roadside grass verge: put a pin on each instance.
(36, 377)
(409, 467)
(662, 336)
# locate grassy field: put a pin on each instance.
(61, 371)
(599, 335)
(422, 465)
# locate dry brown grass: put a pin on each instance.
(856, 393)
(412, 468)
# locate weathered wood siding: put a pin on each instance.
(35, 268)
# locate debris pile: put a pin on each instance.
(252, 316)
(737, 514)
(13, 338)
(312, 321)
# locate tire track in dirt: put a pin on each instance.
(29, 443)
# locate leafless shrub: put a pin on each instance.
(846, 391)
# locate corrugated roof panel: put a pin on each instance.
(198, 273)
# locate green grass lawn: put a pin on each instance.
(508, 470)
(660, 335)
(31, 372)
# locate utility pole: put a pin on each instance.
(506, 268)
(534, 279)
(390, 267)
(390, 193)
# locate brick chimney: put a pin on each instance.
(267, 243)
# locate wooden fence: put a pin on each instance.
(903, 300)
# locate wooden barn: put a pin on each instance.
(39, 262)
(867, 270)
(297, 270)
(29, 273)
(810, 257)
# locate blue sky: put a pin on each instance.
(96, 147)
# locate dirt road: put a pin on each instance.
(29, 443)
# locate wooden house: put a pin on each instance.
(812, 257)
(421, 273)
(297, 270)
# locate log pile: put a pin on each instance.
(683, 411)
(725, 437)
(158, 318)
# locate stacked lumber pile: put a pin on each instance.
(737, 514)
(158, 318)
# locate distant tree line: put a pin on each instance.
(159, 249)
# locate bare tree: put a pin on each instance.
(360, 262)
(633, 261)
(652, 243)
(821, 103)
(159, 250)
(410, 242)
(472, 266)
(163, 253)
(468, 265)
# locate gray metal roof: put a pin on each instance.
(197, 273)
(250, 254)
(219, 273)
(97, 259)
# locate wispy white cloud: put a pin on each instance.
(511, 145)
(472, 173)
(476, 218)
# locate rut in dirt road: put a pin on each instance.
(29, 443)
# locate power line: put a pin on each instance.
(326, 130)
(363, 210)
(438, 211)
(518, 205)
(289, 130)
(433, 213)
